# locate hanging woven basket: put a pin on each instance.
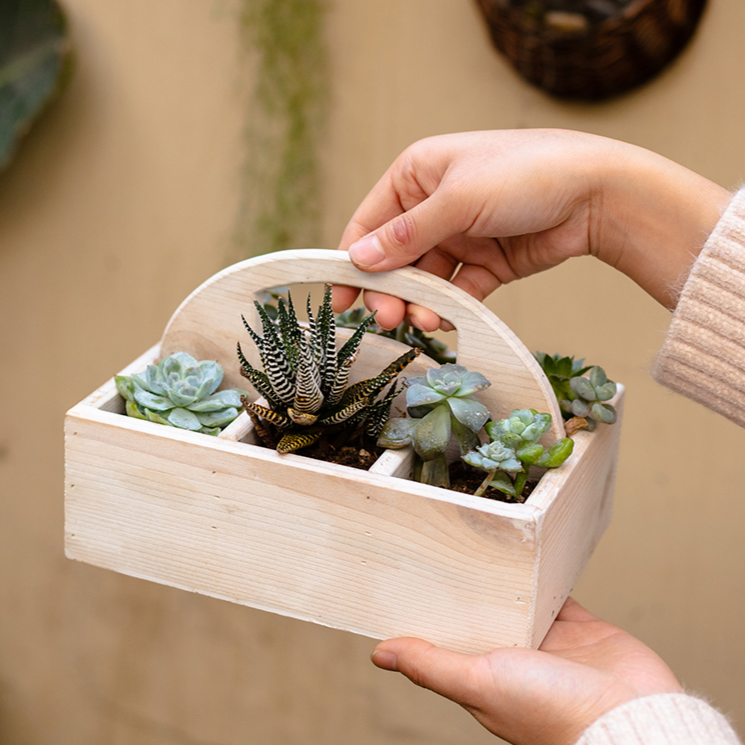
(590, 49)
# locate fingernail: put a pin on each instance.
(385, 660)
(367, 251)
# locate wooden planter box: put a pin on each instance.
(369, 552)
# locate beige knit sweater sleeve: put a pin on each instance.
(663, 719)
(703, 357)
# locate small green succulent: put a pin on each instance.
(305, 377)
(513, 448)
(441, 404)
(591, 393)
(494, 456)
(181, 392)
(580, 396)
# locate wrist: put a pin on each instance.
(654, 217)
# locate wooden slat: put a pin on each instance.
(572, 524)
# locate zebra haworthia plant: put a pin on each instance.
(305, 378)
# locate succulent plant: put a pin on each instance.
(494, 456)
(304, 380)
(441, 404)
(520, 428)
(591, 393)
(432, 347)
(181, 392)
(580, 396)
(513, 448)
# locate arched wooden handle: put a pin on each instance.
(208, 323)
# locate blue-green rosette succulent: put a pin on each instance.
(590, 394)
(442, 403)
(181, 392)
(578, 394)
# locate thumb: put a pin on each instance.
(406, 237)
(459, 677)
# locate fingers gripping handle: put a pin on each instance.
(208, 323)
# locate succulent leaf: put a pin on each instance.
(152, 401)
(308, 397)
(293, 441)
(472, 382)
(380, 411)
(583, 388)
(598, 377)
(604, 413)
(133, 410)
(217, 401)
(353, 343)
(125, 387)
(397, 433)
(257, 378)
(154, 416)
(529, 455)
(219, 418)
(554, 456)
(469, 412)
(467, 439)
(184, 419)
(504, 483)
(432, 434)
(418, 394)
(277, 418)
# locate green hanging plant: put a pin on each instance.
(280, 204)
(34, 59)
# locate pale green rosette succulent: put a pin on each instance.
(513, 448)
(181, 392)
(521, 427)
(442, 404)
(494, 456)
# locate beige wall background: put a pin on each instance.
(124, 199)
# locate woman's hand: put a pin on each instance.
(585, 668)
(486, 208)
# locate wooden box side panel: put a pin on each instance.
(353, 551)
(575, 518)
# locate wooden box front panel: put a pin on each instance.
(363, 552)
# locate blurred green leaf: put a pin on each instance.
(34, 57)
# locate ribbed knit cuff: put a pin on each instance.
(703, 356)
(662, 719)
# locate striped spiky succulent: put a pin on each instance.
(304, 380)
